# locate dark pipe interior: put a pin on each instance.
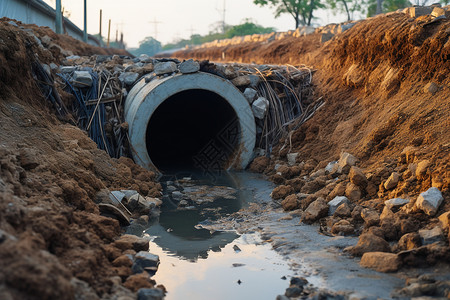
(192, 129)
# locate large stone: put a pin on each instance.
(29, 158)
(342, 227)
(129, 241)
(325, 37)
(392, 181)
(357, 177)
(113, 211)
(343, 211)
(444, 219)
(150, 294)
(281, 191)
(189, 66)
(250, 94)
(290, 202)
(409, 241)
(430, 201)
(145, 261)
(260, 107)
(167, 67)
(422, 168)
(381, 261)
(346, 161)
(395, 202)
(316, 210)
(369, 243)
(370, 217)
(243, 80)
(81, 79)
(139, 204)
(129, 78)
(353, 192)
(431, 236)
(335, 203)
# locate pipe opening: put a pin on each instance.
(193, 129)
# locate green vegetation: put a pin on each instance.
(148, 46)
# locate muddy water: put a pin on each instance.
(213, 261)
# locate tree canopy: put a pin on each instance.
(148, 46)
(300, 10)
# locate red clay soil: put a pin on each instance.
(375, 81)
(51, 233)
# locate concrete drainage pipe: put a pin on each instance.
(190, 120)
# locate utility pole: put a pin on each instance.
(109, 33)
(155, 23)
(58, 21)
(85, 36)
(100, 31)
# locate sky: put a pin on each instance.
(177, 19)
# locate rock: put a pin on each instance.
(395, 202)
(346, 161)
(409, 241)
(392, 181)
(343, 211)
(145, 261)
(422, 168)
(82, 290)
(370, 217)
(335, 203)
(139, 204)
(353, 192)
(230, 72)
(29, 158)
(241, 81)
(290, 202)
(430, 201)
(338, 190)
(344, 27)
(259, 107)
(316, 210)
(81, 79)
(418, 11)
(150, 294)
(357, 177)
(381, 261)
(250, 94)
(129, 78)
(129, 241)
(291, 158)
(116, 197)
(431, 88)
(343, 227)
(254, 80)
(298, 281)
(167, 67)
(123, 261)
(325, 37)
(144, 58)
(354, 76)
(189, 66)
(293, 292)
(330, 166)
(154, 201)
(281, 191)
(113, 211)
(431, 236)
(444, 219)
(369, 243)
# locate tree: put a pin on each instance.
(247, 28)
(381, 6)
(300, 10)
(148, 46)
(346, 6)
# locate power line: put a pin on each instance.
(155, 23)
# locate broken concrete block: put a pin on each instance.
(189, 66)
(437, 12)
(431, 236)
(167, 67)
(129, 78)
(418, 11)
(343, 27)
(259, 107)
(291, 158)
(82, 79)
(250, 94)
(145, 261)
(346, 161)
(335, 203)
(395, 202)
(430, 201)
(444, 219)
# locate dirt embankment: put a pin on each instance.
(386, 88)
(54, 244)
